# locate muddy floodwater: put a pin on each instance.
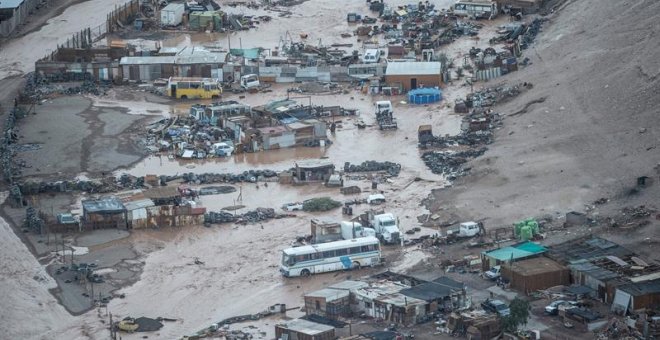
(239, 274)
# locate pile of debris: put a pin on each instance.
(258, 215)
(369, 166)
(38, 87)
(532, 31)
(449, 163)
(251, 176)
(7, 141)
(631, 217)
(89, 186)
(491, 95)
(33, 221)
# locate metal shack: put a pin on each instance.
(276, 137)
(137, 216)
(299, 329)
(313, 170)
(103, 213)
(534, 274)
(324, 230)
(637, 295)
(329, 303)
(384, 300)
(441, 294)
(409, 75)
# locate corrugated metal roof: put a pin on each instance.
(314, 163)
(147, 60)
(413, 68)
(329, 294)
(138, 204)
(103, 205)
(348, 285)
(10, 3)
(306, 327)
(641, 289)
(201, 58)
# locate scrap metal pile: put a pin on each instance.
(258, 215)
(188, 134)
(368, 166)
(449, 163)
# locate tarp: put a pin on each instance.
(250, 53)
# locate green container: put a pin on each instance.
(517, 226)
(526, 233)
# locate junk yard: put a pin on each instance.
(315, 169)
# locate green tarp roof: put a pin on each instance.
(250, 53)
(518, 251)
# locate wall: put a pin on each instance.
(283, 140)
(426, 80)
(19, 17)
(99, 71)
(531, 283)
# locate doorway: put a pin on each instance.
(413, 83)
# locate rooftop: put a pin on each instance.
(10, 3)
(413, 68)
(641, 288)
(329, 294)
(306, 327)
(138, 204)
(103, 205)
(438, 289)
(314, 163)
(348, 285)
(516, 252)
(536, 266)
(162, 192)
(586, 249)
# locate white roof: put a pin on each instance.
(406, 68)
(306, 327)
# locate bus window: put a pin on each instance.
(315, 256)
(365, 249)
(194, 85)
(328, 254)
(355, 250)
(301, 258)
(207, 87)
(341, 252)
(287, 260)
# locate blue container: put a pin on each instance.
(424, 96)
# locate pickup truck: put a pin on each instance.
(496, 306)
(493, 273)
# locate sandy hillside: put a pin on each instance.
(596, 132)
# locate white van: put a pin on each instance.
(371, 56)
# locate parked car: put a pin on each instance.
(376, 199)
(493, 273)
(293, 206)
(553, 307)
(223, 149)
(496, 306)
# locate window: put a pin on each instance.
(341, 252)
(318, 305)
(194, 85)
(328, 254)
(207, 87)
(367, 304)
(355, 250)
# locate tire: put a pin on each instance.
(356, 265)
(215, 97)
(184, 97)
(305, 273)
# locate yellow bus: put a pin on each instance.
(193, 88)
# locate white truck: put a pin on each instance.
(351, 230)
(250, 81)
(386, 228)
(466, 230)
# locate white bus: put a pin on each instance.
(476, 8)
(331, 256)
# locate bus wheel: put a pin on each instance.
(356, 265)
(305, 273)
(215, 97)
(184, 97)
